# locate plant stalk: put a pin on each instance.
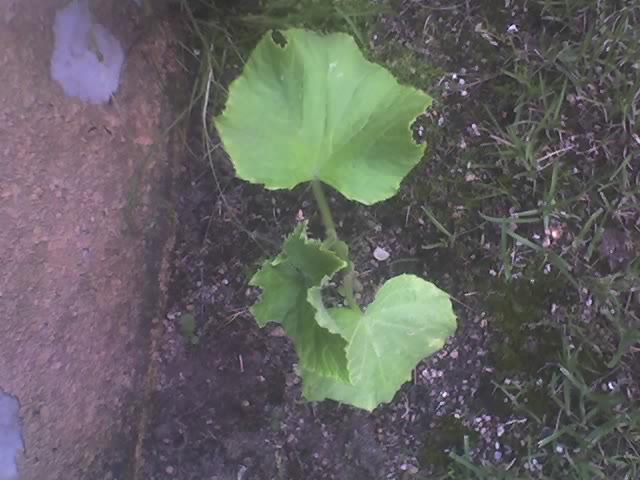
(325, 211)
(332, 237)
(347, 284)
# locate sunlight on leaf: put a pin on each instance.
(317, 109)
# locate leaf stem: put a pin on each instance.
(325, 211)
(332, 237)
(347, 284)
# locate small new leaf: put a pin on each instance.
(188, 328)
(285, 280)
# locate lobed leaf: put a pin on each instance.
(315, 108)
(285, 281)
(409, 320)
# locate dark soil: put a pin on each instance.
(232, 402)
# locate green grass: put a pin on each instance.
(577, 86)
(321, 15)
(561, 139)
(583, 431)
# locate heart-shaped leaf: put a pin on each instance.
(285, 280)
(315, 108)
(409, 320)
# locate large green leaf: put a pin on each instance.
(285, 280)
(315, 108)
(409, 320)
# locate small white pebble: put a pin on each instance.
(556, 233)
(381, 254)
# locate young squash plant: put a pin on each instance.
(311, 108)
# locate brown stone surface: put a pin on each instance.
(85, 221)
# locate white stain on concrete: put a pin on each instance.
(87, 58)
(10, 437)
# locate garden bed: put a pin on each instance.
(525, 210)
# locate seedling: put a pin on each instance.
(188, 329)
(311, 108)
